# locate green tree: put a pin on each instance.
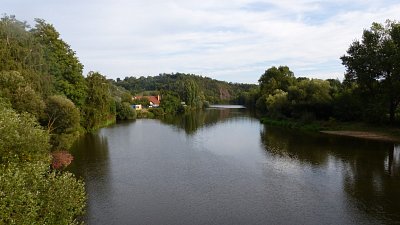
(125, 111)
(191, 93)
(29, 192)
(276, 78)
(20, 51)
(63, 121)
(373, 63)
(311, 98)
(98, 106)
(62, 63)
(171, 103)
(21, 137)
(23, 98)
(277, 103)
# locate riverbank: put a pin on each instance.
(350, 129)
(363, 134)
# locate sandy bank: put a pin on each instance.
(364, 134)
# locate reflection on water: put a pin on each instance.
(393, 162)
(369, 170)
(91, 162)
(194, 120)
(221, 166)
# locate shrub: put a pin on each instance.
(63, 121)
(125, 111)
(31, 195)
(21, 137)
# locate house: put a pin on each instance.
(154, 101)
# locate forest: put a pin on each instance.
(213, 91)
(46, 103)
(370, 91)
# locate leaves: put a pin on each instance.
(21, 137)
(31, 195)
(373, 63)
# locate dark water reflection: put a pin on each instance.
(221, 166)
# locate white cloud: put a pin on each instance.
(233, 40)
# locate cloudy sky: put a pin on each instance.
(231, 40)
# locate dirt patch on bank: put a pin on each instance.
(363, 134)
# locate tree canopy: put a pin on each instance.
(374, 64)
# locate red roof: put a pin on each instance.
(152, 99)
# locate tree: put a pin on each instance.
(171, 103)
(62, 62)
(276, 78)
(21, 137)
(29, 192)
(277, 103)
(374, 64)
(63, 120)
(20, 51)
(23, 98)
(311, 98)
(98, 105)
(125, 111)
(191, 93)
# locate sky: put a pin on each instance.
(230, 40)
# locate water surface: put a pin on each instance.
(222, 166)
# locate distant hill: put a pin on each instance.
(214, 91)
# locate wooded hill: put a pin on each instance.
(214, 91)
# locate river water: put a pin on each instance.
(222, 166)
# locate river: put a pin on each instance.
(222, 166)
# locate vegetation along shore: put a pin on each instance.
(46, 103)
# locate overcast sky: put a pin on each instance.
(231, 40)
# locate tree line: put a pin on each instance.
(370, 91)
(212, 91)
(45, 104)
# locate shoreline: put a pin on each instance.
(348, 129)
(363, 135)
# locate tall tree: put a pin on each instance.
(276, 78)
(62, 63)
(98, 103)
(374, 64)
(20, 51)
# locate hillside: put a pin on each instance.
(214, 91)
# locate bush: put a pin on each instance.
(22, 96)
(63, 121)
(157, 112)
(125, 111)
(29, 192)
(31, 195)
(21, 137)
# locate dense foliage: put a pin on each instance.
(37, 64)
(45, 103)
(370, 91)
(29, 192)
(373, 64)
(191, 89)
